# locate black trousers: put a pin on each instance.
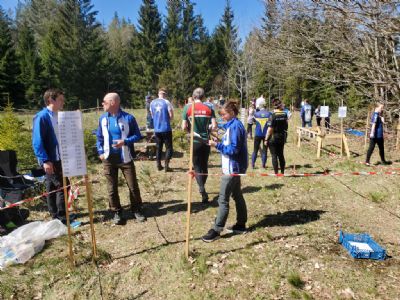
(110, 167)
(259, 141)
(372, 143)
(55, 200)
(250, 130)
(318, 121)
(161, 139)
(201, 153)
(276, 148)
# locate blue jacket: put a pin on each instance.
(44, 140)
(376, 118)
(233, 148)
(160, 111)
(263, 120)
(130, 133)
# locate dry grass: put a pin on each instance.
(291, 251)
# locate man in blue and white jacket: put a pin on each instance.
(116, 134)
(46, 148)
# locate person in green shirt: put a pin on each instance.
(204, 120)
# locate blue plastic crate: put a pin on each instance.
(361, 246)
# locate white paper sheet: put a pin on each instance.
(342, 111)
(72, 148)
(324, 112)
(364, 247)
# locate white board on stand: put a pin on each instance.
(72, 147)
(324, 112)
(342, 111)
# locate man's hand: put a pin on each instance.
(102, 157)
(266, 143)
(118, 143)
(48, 168)
(371, 135)
(212, 143)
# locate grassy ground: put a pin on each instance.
(291, 251)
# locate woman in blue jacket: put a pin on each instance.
(233, 148)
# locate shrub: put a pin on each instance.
(90, 146)
(15, 137)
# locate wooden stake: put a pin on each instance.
(398, 136)
(90, 208)
(189, 187)
(342, 135)
(366, 129)
(70, 252)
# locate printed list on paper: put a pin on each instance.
(72, 149)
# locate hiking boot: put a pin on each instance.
(204, 198)
(139, 216)
(367, 164)
(385, 162)
(237, 229)
(160, 167)
(118, 219)
(211, 236)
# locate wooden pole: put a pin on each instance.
(70, 252)
(398, 136)
(342, 134)
(189, 186)
(90, 208)
(366, 129)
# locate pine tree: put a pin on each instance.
(29, 63)
(170, 76)
(119, 38)
(225, 43)
(205, 70)
(146, 52)
(83, 55)
(270, 19)
(9, 70)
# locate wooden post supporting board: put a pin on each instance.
(70, 250)
(73, 159)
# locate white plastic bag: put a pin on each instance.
(24, 242)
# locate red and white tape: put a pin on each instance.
(71, 197)
(360, 173)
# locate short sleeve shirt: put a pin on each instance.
(202, 118)
(263, 119)
(279, 125)
(376, 119)
(160, 109)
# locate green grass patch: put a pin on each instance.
(295, 280)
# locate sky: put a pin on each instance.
(247, 13)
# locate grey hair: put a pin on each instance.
(198, 93)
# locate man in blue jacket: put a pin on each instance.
(377, 134)
(46, 148)
(306, 114)
(116, 135)
(162, 113)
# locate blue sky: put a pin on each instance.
(247, 13)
